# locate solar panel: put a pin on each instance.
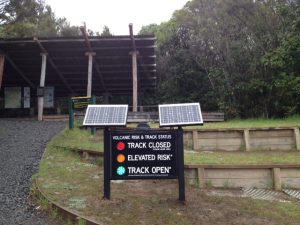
(180, 114)
(106, 115)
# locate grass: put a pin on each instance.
(79, 139)
(77, 185)
(291, 121)
(243, 158)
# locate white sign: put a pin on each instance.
(48, 97)
(26, 97)
(13, 97)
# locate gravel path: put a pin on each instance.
(22, 144)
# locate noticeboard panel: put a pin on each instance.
(13, 97)
(143, 154)
(81, 102)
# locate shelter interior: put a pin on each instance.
(74, 66)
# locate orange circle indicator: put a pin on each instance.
(121, 158)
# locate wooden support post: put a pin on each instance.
(195, 140)
(297, 138)
(247, 139)
(201, 177)
(90, 73)
(42, 84)
(134, 81)
(2, 58)
(277, 179)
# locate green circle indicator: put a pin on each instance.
(121, 170)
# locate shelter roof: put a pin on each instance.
(67, 63)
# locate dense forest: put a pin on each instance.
(237, 56)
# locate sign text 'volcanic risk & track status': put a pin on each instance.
(143, 155)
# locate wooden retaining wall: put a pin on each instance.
(242, 139)
(244, 176)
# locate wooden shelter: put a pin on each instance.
(80, 66)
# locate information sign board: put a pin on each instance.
(13, 96)
(26, 98)
(81, 102)
(143, 154)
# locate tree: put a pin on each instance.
(149, 29)
(27, 18)
(3, 4)
(106, 32)
(66, 30)
(237, 48)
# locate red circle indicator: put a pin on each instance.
(121, 146)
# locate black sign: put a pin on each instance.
(40, 92)
(81, 102)
(143, 154)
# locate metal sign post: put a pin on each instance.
(181, 181)
(106, 164)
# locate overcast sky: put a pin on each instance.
(116, 14)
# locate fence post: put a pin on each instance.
(195, 140)
(201, 177)
(297, 138)
(247, 139)
(277, 179)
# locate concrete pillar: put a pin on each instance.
(2, 58)
(90, 74)
(42, 84)
(134, 82)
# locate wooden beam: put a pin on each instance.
(17, 69)
(86, 38)
(89, 47)
(134, 82)
(2, 58)
(114, 38)
(134, 54)
(132, 37)
(54, 66)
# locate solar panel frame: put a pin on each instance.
(181, 119)
(107, 115)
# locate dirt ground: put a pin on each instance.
(78, 185)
